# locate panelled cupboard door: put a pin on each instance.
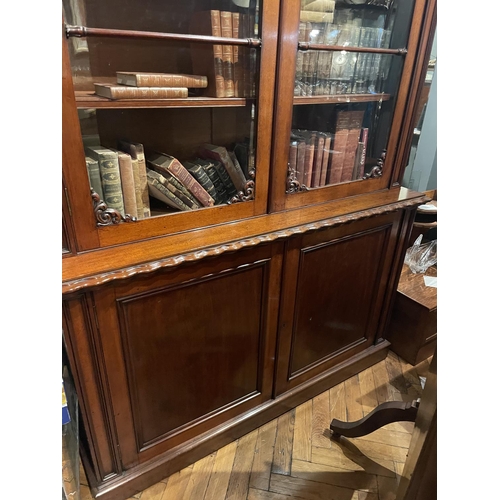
(334, 286)
(342, 102)
(149, 154)
(187, 349)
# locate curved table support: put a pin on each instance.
(385, 413)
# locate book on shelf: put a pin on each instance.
(339, 144)
(318, 159)
(326, 159)
(110, 176)
(94, 176)
(209, 167)
(301, 150)
(355, 121)
(237, 63)
(299, 61)
(158, 188)
(310, 138)
(224, 177)
(362, 159)
(226, 24)
(220, 153)
(181, 191)
(318, 5)
(317, 11)
(162, 162)
(206, 58)
(138, 188)
(136, 151)
(128, 183)
(316, 17)
(357, 161)
(292, 158)
(123, 92)
(198, 172)
(144, 79)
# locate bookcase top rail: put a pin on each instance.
(84, 31)
(339, 98)
(373, 50)
(88, 100)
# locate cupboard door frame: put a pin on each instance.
(296, 250)
(91, 236)
(287, 50)
(108, 301)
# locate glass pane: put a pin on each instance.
(344, 99)
(190, 107)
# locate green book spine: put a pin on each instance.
(94, 176)
(222, 196)
(110, 176)
(224, 176)
(201, 176)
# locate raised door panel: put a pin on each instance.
(334, 288)
(196, 345)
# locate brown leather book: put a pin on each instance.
(326, 158)
(355, 119)
(362, 161)
(237, 63)
(292, 158)
(124, 92)
(220, 153)
(128, 184)
(226, 23)
(144, 79)
(309, 158)
(337, 159)
(162, 162)
(137, 187)
(207, 59)
(301, 152)
(318, 159)
(136, 151)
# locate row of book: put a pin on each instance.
(341, 72)
(231, 69)
(317, 11)
(125, 177)
(143, 85)
(318, 158)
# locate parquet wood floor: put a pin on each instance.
(292, 457)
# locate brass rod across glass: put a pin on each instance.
(84, 31)
(373, 50)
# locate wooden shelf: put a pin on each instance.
(328, 99)
(87, 99)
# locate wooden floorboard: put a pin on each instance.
(293, 457)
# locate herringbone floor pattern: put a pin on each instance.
(292, 457)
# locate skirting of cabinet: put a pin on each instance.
(141, 476)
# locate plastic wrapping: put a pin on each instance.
(420, 257)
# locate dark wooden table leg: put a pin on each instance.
(386, 413)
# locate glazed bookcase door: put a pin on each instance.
(347, 93)
(101, 39)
